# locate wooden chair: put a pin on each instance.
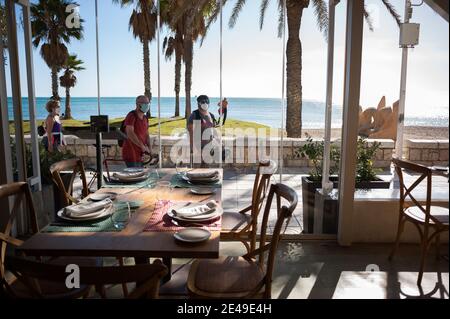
(75, 166)
(22, 191)
(429, 220)
(243, 225)
(244, 277)
(31, 272)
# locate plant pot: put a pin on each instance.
(308, 195)
(309, 188)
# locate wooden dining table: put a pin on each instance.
(132, 241)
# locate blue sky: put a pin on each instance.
(253, 58)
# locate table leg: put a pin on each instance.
(168, 263)
(141, 261)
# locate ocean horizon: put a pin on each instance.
(266, 111)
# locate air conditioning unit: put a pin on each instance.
(409, 34)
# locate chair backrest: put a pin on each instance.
(406, 190)
(30, 272)
(264, 173)
(20, 191)
(74, 166)
(284, 212)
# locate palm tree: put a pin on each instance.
(294, 9)
(173, 45)
(194, 16)
(142, 23)
(49, 28)
(68, 80)
(2, 23)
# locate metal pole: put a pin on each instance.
(283, 89)
(404, 71)
(98, 57)
(329, 98)
(221, 82)
(98, 139)
(159, 79)
(35, 182)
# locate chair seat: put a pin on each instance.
(226, 277)
(50, 290)
(440, 213)
(234, 221)
(80, 261)
(55, 289)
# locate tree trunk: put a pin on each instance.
(68, 111)
(55, 94)
(188, 60)
(147, 81)
(294, 70)
(177, 83)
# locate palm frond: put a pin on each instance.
(281, 18)
(321, 12)
(393, 11)
(235, 13)
(262, 15)
(368, 19)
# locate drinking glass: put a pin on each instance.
(121, 217)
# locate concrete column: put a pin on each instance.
(352, 86)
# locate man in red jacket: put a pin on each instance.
(136, 128)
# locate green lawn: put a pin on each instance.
(168, 125)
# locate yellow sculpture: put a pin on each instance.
(380, 122)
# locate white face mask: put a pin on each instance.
(204, 106)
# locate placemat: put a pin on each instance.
(103, 226)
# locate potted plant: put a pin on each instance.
(365, 172)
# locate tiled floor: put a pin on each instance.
(327, 271)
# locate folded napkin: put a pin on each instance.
(203, 175)
(86, 208)
(195, 210)
(130, 176)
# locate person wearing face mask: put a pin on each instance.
(136, 128)
(53, 138)
(201, 117)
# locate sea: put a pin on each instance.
(264, 111)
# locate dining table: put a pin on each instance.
(135, 239)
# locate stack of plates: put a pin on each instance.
(89, 211)
(202, 177)
(210, 212)
(130, 176)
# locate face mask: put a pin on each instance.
(57, 111)
(204, 106)
(144, 108)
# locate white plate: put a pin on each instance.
(133, 170)
(201, 218)
(98, 197)
(193, 235)
(130, 180)
(203, 190)
(201, 180)
(105, 212)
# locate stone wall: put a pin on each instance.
(423, 151)
(427, 152)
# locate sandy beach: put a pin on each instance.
(411, 132)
